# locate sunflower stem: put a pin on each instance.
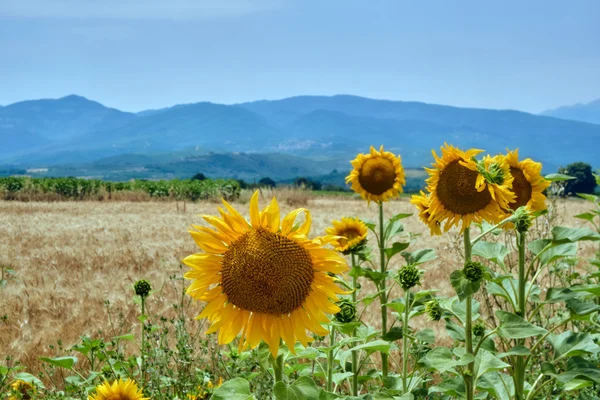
(520, 367)
(330, 359)
(468, 374)
(278, 368)
(405, 334)
(382, 288)
(143, 347)
(354, 352)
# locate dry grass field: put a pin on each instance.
(69, 258)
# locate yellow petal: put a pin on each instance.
(254, 213)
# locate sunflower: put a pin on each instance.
(377, 176)
(464, 189)
(423, 201)
(24, 390)
(264, 278)
(118, 390)
(528, 185)
(350, 234)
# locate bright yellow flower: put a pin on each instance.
(118, 390)
(26, 390)
(464, 190)
(352, 232)
(422, 202)
(264, 278)
(528, 185)
(377, 176)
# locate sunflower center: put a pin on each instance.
(117, 396)
(377, 175)
(349, 235)
(521, 187)
(267, 273)
(456, 190)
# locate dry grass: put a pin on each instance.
(70, 257)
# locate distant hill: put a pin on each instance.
(75, 131)
(589, 112)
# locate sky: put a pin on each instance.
(143, 54)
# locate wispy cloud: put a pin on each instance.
(134, 9)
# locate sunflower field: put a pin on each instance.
(285, 312)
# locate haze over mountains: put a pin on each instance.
(79, 135)
(589, 112)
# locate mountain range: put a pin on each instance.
(589, 112)
(82, 137)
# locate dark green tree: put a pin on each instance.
(268, 182)
(199, 177)
(584, 181)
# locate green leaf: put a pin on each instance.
(370, 298)
(586, 216)
(393, 334)
(426, 335)
(394, 226)
(494, 252)
(129, 336)
(578, 368)
(424, 293)
(579, 307)
(570, 344)
(487, 362)
(499, 386)
(442, 360)
(455, 388)
(561, 234)
(234, 389)
(514, 327)
(396, 305)
(376, 345)
(592, 289)
(589, 197)
(63, 362)
(396, 248)
(303, 389)
(556, 295)
(462, 285)
(558, 177)
(338, 377)
(419, 256)
(558, 251)
(516, 351)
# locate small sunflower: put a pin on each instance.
(264, 278)
(423, 201)
(351, 234)
(377, 176)
(118, 390)
(465, 190)
(528, 184)
(22, 390)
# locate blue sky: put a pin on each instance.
(141, 54)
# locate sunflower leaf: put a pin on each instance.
(63, 362)
(514, 327)
(558, 177)
(462, 285)
(234, 389)
(304, 388)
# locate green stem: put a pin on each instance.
(468, 377)
(143, 347)
(405, 334)
(484, 233)
(520, 367)
(278, 368)
(383, 296)
(330, 360)
(354, 352)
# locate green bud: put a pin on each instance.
(479, 328)
(522, 218)
(142, 288)
(409, 276)
(493, 175)
(473, 271)
(434, 310)
(347, 311)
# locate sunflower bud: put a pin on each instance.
(479, 329)
(522, 218)
(491, 171)
(473, 271)
(347, 311)
(142, 288)
(409, 276)
(434, 310)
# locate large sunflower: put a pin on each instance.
(351, 233)
(377, 176)
(528, 184)
(423, 201)
(465, 190)
(264, 278)
(118, 390)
